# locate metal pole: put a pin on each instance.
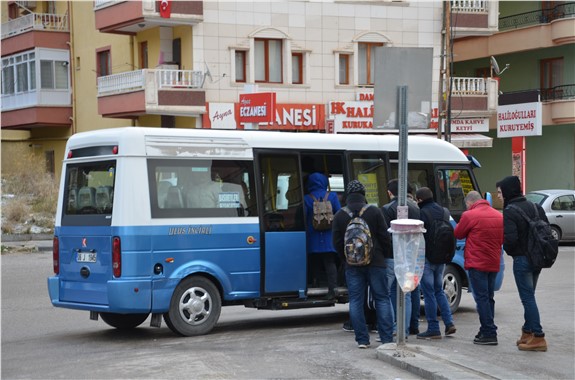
(402, 196)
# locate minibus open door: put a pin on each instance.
(280, 201)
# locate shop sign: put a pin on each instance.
(364, 96)
(351, 116)
(220, 116)
(297, 117)
(257, 107)
(515, 120)
(459, 125)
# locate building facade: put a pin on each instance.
(184, 64)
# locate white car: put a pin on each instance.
(559, 206)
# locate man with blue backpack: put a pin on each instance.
(360, 238)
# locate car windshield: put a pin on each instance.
(536, 197)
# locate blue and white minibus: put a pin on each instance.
(176, 223)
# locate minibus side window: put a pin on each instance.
(371, 171)
(201, 188)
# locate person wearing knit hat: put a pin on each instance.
(373, 275)
(515, 230)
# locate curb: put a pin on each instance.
(25, 237)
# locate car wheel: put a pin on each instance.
(556, 232)
(452, 287)
(123, 321)
(195, 307)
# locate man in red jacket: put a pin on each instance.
(482, 225)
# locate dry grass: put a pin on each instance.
(35, 195)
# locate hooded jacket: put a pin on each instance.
(515, 228)
(377, 226)
(318, 241)
(482, 226)
(390, 213)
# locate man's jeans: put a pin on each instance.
(358, 278)
(392, 282)
(483, 290)
(433, 296)
(526, 280)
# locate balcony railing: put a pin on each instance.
(471, 6)
(543, 16)
(468, 86)
(562, 92)
(35, 21)
(136, 80)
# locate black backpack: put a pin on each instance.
(440, 245)
(542, 248)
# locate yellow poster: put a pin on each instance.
(369, 180)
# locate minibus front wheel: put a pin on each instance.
(194, 308)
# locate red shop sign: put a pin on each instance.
(257, 107)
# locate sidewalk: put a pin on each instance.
(438, 362)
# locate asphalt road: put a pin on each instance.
(43, 342)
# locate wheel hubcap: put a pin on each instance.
(195, 306)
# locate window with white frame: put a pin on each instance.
(19, 73)
(53, 74)
(355, 62)
(269, 57)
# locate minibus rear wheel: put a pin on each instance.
(124, 321)
(195, 307)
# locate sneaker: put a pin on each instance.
(450, 329)
(363, 346)
(413, 331)
(378, 339)
(372, 327)
(347, 326)
(485, 340)
(429, 335)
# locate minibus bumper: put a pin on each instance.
(126, 296)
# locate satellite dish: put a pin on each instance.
(208, 73)
(494, 65)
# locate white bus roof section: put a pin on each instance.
(238, 144)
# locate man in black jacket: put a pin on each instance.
(374, 274)
(515, 230)
(432, 279)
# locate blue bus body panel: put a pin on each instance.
(221, 251)
(285, 275)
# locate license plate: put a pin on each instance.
(86, 257)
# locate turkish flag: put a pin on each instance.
(165, 8)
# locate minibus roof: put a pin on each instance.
(161, 142)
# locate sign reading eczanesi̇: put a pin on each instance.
(516, 120)
(259, 107)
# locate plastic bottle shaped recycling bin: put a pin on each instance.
(408, 252)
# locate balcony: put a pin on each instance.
(474, 97)
(474, 18)
(558, 104)
(35, 30)
(522, 32)
(131, 17)
(152, 91)
(39, 108)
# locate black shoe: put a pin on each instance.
(450, 329)
(485, 340)
(347, 326)
(413, 331)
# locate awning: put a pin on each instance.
(471, 140)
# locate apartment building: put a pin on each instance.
(75, 66)
(534, 48)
